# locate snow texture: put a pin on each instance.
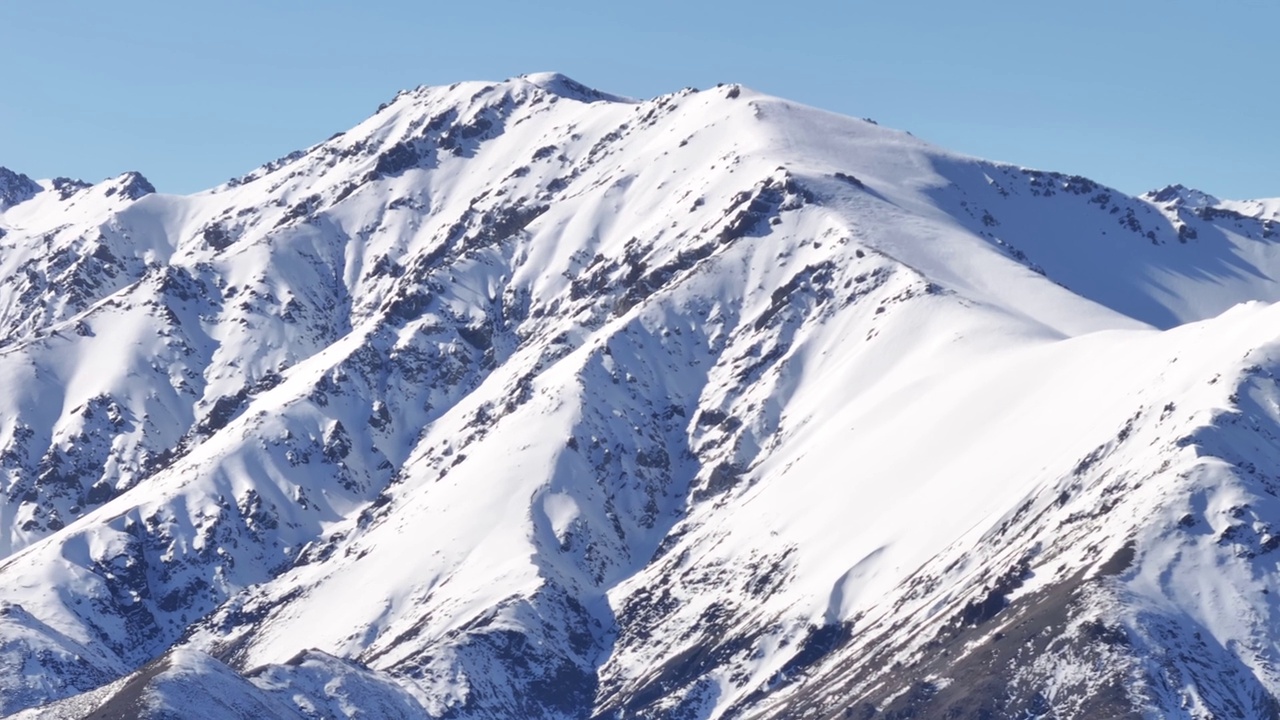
(521, 399)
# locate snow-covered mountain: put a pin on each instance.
(523, 400)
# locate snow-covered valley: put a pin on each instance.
(522, 400)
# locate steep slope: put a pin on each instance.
(1130, 577)
(521, 399)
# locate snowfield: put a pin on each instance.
(523, 400)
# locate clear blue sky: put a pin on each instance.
(1134, 93)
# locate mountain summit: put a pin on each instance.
(521, 399)
(15, 188)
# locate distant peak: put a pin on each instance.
(1181, 196)
(131, 185)
(15, 188)
(566, 87)
(67, 187)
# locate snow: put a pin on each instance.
(515, 397)
(1267, 209)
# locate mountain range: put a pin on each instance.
(525, 400)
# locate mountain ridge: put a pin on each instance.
(520, 399)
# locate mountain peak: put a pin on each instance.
(131, 184)
(566, 87)
(15, 188)
(642, 377)
(1181, 196)
(67, 186)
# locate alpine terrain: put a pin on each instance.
(523, 400)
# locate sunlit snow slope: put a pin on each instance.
(521, 400)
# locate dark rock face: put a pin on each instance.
(133, 186)
(15, 188)
(977, 670)
(1168, 194)
(66, 187)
